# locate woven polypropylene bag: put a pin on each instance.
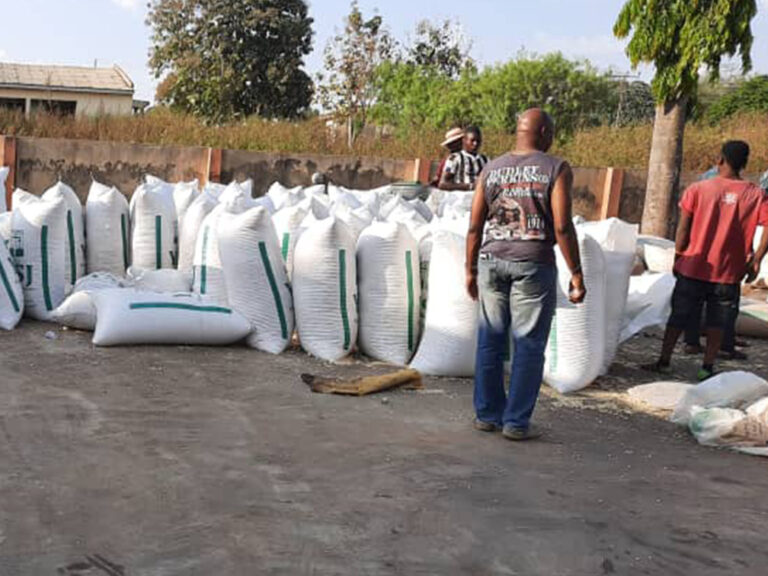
(108, 229)
(576, 346)
(325, 289)
(389, 289)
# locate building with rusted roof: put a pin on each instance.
(65, 90)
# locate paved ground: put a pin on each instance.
(179, 461)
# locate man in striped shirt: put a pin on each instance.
(463, 168)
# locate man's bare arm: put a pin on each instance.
(475, 237)
(683, 235)
(565, 232)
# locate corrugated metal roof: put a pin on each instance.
(76, 78)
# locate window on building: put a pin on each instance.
(56, 107)
(12, 104)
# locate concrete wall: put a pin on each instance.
(41, 162)
(297, 169)
(87, 104)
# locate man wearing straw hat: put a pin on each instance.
(453, 142)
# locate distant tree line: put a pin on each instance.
(226, 60)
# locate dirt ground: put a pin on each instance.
(159, 461)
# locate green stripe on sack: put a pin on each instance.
(124, 233)
(44, 257)
(343, 297)
(204, 263)
(286, 245)
(72, 252)
(273, 286)
(9, 290)
(176, 306)
(158, 242)
(409, 277)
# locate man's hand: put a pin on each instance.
(471, 282)
(576, 290)
(753, 270)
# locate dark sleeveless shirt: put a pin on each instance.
(518, 191)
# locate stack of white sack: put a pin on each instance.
(618, 241)
(153, 227)
(325, 289)
(389, 287)
(255, 278)
(38, 246)
(107, 226)
(11, 293)
(126, 316)
(209, 277)
(283, 197)
(449, 341)
(576, 348)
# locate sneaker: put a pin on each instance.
(705, 374)
(520, 434)
(486, 426)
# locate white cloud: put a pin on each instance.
(128, 4)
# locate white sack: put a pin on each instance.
(283, 197)
(165, 280)
(576, 346)
(11, 293)
(107, 226)
(78, 311)
(658, 253)
(725, 390)
(255, 278)
(449, 342)
(154, 225)
(208, 271)
(126, 316)
(287, 223)
(389, 288)
(649, 303)
(74, 256)
(325, 290)
(6, 227)
(189, 227)
(618, 241)
(38, 247)
(3, 177)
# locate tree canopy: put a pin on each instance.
(680, 37)
(224, 59)
(574, 92)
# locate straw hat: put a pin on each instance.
(452, 136)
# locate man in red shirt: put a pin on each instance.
(713, 252)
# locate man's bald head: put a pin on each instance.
(535, 129)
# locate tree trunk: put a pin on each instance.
(664, 168)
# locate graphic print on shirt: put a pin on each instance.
(517, 201)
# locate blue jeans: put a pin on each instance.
(523, 295)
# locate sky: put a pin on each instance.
(81, 32)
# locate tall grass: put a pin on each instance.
(621, 147)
